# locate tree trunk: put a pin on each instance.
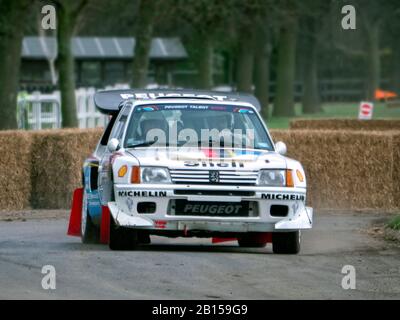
(144, 36)
(11, 33)
(206, 62)
(284, 97)
(373, 61)
(245, 61)
(396, 67)
(310, 99)
(66, 68)
(262, 71)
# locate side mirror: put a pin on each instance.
(113, 145)
(281, 148)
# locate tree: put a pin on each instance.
(313, 15)
(12, 15)
(67, 15)
(372, 17)
(206, 62)
(395, 58)
(250, 22)
(204, 20)
(310, 97)
(144, 34)
(262, 70)
(284, 95)
(245, 60)
(225, 28)
(371, 20)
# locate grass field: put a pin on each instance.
(334, 110)
(394, 223)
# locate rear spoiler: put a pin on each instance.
(110, 101)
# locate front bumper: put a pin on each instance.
(124, 208)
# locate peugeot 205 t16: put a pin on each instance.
(182, 163)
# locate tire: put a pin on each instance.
(286, 242)
(144, 238)
(89, 232)
(252, 240)
(122, 238)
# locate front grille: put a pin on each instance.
(226, 177)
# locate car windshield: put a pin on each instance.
(196, 125)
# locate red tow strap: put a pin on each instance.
(265, 237)
(219, 240)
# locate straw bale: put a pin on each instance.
(345, 169)
(345, 124)
(57, 159)
(15, 170)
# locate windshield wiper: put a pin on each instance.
(142, 144)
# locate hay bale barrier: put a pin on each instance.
(345, 124)
(349, 169)
(15, 170)
(345, 169)
(396, 169)
(57, 159)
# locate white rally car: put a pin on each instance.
(182, 163)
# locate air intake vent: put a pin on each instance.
(146, 207)
(279, 210)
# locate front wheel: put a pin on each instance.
(122, 238)
(286, 242)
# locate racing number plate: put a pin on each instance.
(213, 209)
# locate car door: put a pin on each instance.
(105, 179)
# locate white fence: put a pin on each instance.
(88, 115)
(43, 111)
(39, 111)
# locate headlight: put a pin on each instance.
(273, 178)
(154, 175)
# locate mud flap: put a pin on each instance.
(265, 237)
(105, 225)
(74, 228)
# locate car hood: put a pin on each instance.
(196, 158)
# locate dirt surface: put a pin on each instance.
(381, 230)
(25, 215)
(194, 268)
